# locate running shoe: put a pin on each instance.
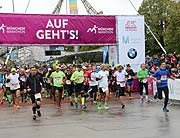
(95, 102)
(99, 106)
(39, 113)
(156, 95)
(18, 107)
(123, 106)
(106, 106)
(130, 98)
(76, 105)
(83, 107)
(165, 110)
(58, 107)
(14, 106)
(34, 117)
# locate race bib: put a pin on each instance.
(23, 78)
(122, 84)
(56, 79)
(164, 77)
(15, 85)
(130, 77)
(144, 80)
(37, 96)
(80, 78)
(68, 82)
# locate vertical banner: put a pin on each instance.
(73, 7)
(113, 55)
(131, 41)
(105, 51)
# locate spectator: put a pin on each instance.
(156, 60)
(178, 58)
(148, 60)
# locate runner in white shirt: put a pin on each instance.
(103, 86)
(93, 83)
(13, 80)
(120, 76)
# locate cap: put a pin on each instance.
(118, 65)
(13, 69)
(57, 67)
(33, 68)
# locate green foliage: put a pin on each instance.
(172, 34)
(158, 15)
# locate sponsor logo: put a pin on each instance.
(100, 30)
(130, 26)
(12, 29)
(125, 40)
(132, 53)
(2, 28)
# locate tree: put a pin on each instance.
(172, 34)
(156, 16)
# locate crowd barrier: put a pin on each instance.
(174, 88)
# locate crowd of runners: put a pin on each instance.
(94, 82)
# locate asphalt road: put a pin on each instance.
(137, 120)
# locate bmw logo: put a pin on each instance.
(132, 53)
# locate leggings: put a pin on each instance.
(35, 106)
(166, 93)
(141, 84)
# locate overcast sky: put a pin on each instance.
(109, 7)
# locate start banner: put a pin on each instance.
(33, 29)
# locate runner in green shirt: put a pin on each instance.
(57, 81)
(142, 76)
(78, 79)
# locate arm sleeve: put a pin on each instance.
(42, 80)
(133, 74)
(155, 74)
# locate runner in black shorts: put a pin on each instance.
(69, 85)
(34, 88)
(57, 81)
(78, 79)
(23, 79)
(120, 76)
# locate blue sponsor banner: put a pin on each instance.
(105, 51)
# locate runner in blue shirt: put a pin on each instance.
(161, 77)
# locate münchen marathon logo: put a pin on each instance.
(100, 30)
(12, 29)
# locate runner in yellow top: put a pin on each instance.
(78, 79)
(57, 81)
